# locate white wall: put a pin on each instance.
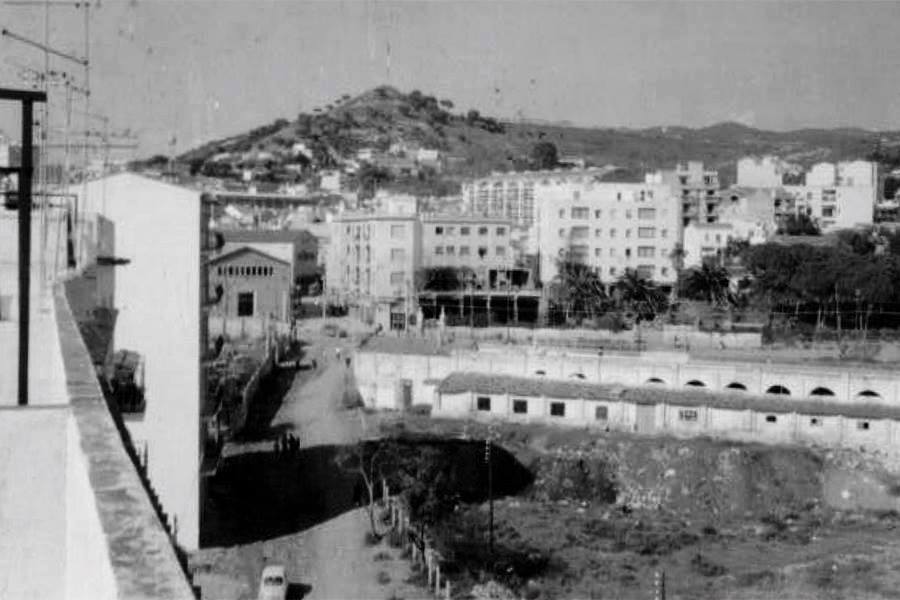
(158, 297)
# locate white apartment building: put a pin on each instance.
(611, 227)
(371, 266)
(835, 195)
(478, 243)
(514, 194)
(696, 186)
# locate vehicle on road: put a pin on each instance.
(272, 583)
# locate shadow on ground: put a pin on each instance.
(266, 403)
(262, 495)
(298, 591)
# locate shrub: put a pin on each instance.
(384, 578)
(395, 539)
(382, 556)
(420, 409)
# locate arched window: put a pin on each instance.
(868, 394)
(656, 381)
(779, 390)
(821, 391)
(735, 385)
(695, 383)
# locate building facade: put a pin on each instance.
(696, 187)
(159, 296)
(472, 242)
(611, 227)
(371, 266)
(253, 285)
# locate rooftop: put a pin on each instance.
(486, 383)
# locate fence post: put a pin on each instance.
(447, 590)
(428, 565)
(437, 579)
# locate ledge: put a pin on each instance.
(142, 557)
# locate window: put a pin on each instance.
(771, 419)
(687, 414)
(562, 213)
(646, 232)
(598, 252)
(828, 211)
(580, 212)
(576, 195)
(815, 422)
(663, 233)
(612, 233)
(482, 231)
(245, 304)
(598, 232)
(450, 231)
(557, 409)
(464, 251)
(646, 271)
(612, 251)
(463, 231)
(627, 252)
(562, 232)
(451, 250)
(598, 213)
(484, 403)
(612, 270)
(580, 233)
(438, 231)
(627, 214)
(612, 213)
(397, 278)
(398, 231)
(501, 231)
(862, 425)
(398, 254)
(520, 407)
(398, 321)
(438, 250)
(501, 251)
(646, 251)
(482, 251)
(627, 233)
(618, 197)
(664, 271)
(601, 413)
(646, 213)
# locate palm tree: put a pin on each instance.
(578, 288)
(708, 282)
(639, 294)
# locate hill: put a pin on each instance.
(474, 144)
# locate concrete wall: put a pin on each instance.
(158, 229)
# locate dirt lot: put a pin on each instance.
(721, 520)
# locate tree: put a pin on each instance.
(447, 104)
(708, 282)
(639, 294)
(577, 288)
(544, 155)
(799, 224)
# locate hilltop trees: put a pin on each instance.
(544, 155)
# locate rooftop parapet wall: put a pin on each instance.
(142, 558)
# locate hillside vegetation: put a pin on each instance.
(476, 144)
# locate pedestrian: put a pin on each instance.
(315, 365)
(337, 354)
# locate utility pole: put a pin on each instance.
(25, 174)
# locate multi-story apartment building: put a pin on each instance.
(611, 227)
(514, 195)
(371, 266)
(835, 196)
(477, 243)
(697, 187)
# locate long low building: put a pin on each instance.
(652, 411)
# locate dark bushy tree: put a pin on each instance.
(544, 155)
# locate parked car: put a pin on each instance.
(272, 583)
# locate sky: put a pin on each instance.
(195, 70)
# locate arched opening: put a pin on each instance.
(868, 394)
(540, 372)
(821, 391)
(736, 385)
(779, 390)
(695, 383)
(656, 381)
(577, 376)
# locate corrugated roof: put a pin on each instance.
(486, 383)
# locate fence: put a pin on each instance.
(246, 327)
(421, 550)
